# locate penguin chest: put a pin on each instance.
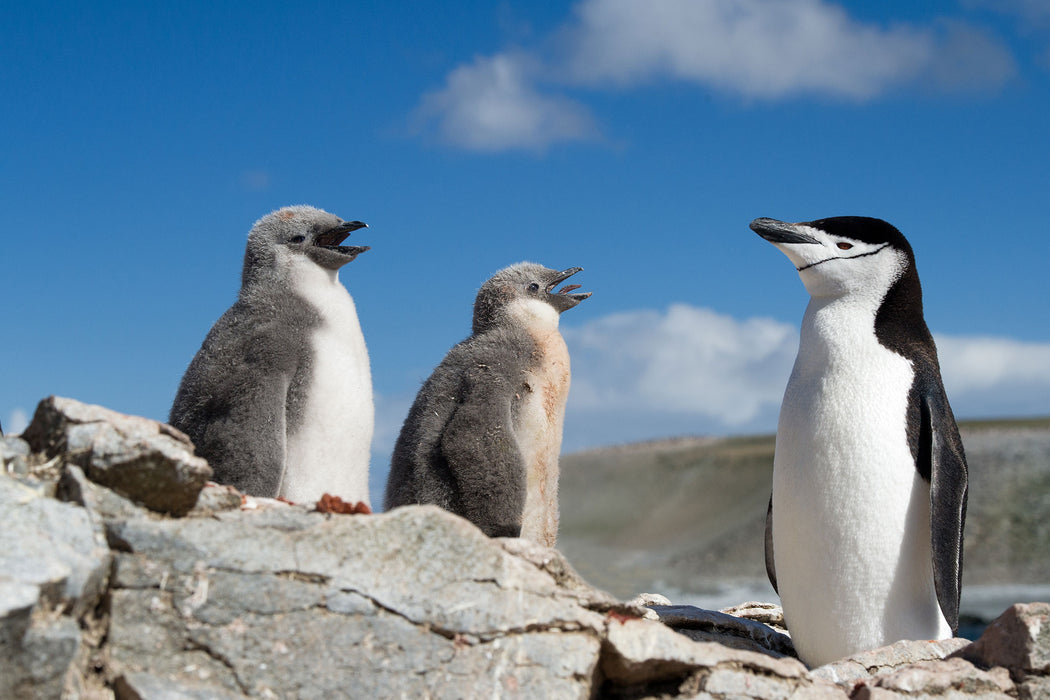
(851, 531)
(331, 420)
(538, 433)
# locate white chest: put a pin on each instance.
(328, 451)
(538, 433)
(850, 515)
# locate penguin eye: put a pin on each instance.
(843, 245)
(297, 239)
(534, 287)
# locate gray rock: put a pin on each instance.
(215, 498)
(14, 455)
(101, 503)
(713, 626)
(643, 651)
(887, 659)
(40, 663)
(953, 678)
(298, 603)
(144, 686)
(51, 546)
(54, 565)
(1019, 639)
(255, 598)
(766, 613)
(149, 462)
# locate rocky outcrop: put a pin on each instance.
(104, 593)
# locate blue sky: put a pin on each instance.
(635, 139)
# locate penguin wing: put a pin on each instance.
(481, 451)
(771, 570)
(245, 443)
(942, 461)
(232, 400)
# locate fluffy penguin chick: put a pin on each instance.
(483, 436)
(864, 533)
(279, 397)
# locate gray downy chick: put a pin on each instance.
(483, 437)
(279, 397)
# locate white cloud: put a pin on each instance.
(491, 105)
(756, 49)
(687, 360)
(16, 422)
(995, 376)
(689, 370)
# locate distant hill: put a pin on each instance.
(688, 515)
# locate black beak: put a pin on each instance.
(564, 299)
(780, 232)
(333, 237)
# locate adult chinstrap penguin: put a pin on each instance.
(279, 397)
(865, 526)
(483, 437)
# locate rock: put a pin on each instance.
(149, 462)
(713, 626)
(644, 601)
(415, 601)
(54, 565)
(245, 597)
(766, 613)
(52, 547)
(14, 455)
(1019, 639)
(954, 678)
(647, 653)
(887, 659)
(215, 498)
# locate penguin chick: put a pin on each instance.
(279, 397)
(483, 437)
(865, 525)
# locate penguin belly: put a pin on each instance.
(328, 448)
(538, 433)
(851, 515)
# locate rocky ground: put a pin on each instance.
(124, 574)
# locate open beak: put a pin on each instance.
(564, 299)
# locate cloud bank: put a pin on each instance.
(690, 370)
(686, 370)
(16, 422)
(753, 49)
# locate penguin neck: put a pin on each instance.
(538, 318)
(834, 327)
(297, 272)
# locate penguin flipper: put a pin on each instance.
(771, 570)
(246, 446)
(942, 449)
(480, 450)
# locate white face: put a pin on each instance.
(836, 265)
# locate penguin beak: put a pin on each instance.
(780, 231)
(333, 237)
(564, 299)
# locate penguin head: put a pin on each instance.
(300, 233)
(841, 255)
(525, 293)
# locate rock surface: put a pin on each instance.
(104, 594)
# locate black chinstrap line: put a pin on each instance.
(852, 257)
